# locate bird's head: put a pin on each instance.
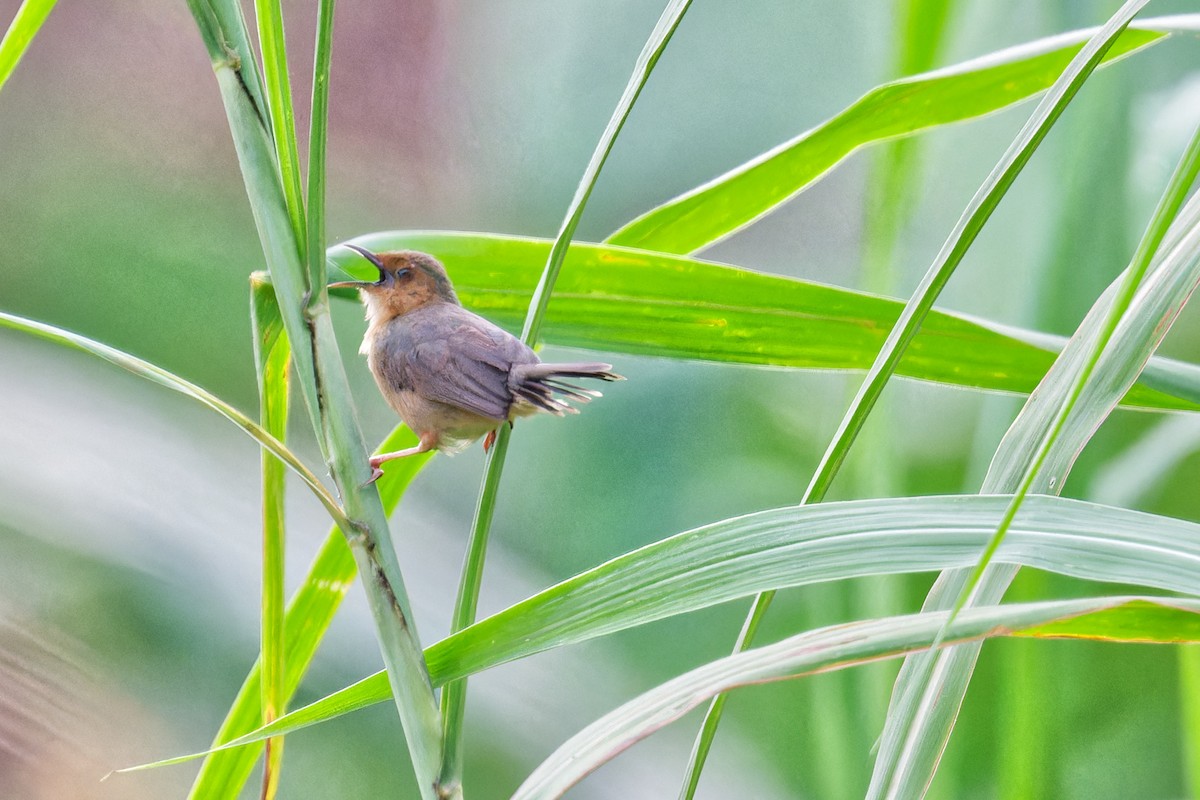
(408, 279)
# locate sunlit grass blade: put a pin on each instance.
(325, 389)
(144, 369)
(317, 137)
(276, 77)
(924, 707)
(796, 546)
(25, 25)
(730, 202)
(1141, 619)
(272, 357)
(453, 701)
(1189, 712)
(632, 301)
(308, 616)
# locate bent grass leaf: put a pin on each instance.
(144, 369)
(789, 547)
(1141, 619)
(632, 301)
(933, 700)
(734, 200)
(974, 217)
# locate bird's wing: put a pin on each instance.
(455, 357)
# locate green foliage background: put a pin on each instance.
(129, 520)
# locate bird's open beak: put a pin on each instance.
(369, 256)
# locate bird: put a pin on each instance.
(450, 374)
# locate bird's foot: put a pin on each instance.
(376, 474)
(489, 440)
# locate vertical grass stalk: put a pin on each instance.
(303, 303)
(309, 613)
(272, 355)
(1189, 707)
(317, 137)
(454, 694)
(273, 44)
(25, 25)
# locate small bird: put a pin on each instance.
(451, 375)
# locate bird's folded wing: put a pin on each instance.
(467, 368)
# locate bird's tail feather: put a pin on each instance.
(537, 384)
(581, 369)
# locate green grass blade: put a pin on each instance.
(1114, 619)
(144, 369)
(1189, 679)
(308, 616)
(732, 201)
(272, 357)
(892, 198)
(453, 703)
(922, 25)
(1174, 274)
(279, 105)
(632, 301)
(323, 384)
(317, 137)
(853, 644)
(25, 25)
(668, 21)
(796, 546)
(1164, 214)
(974, 217)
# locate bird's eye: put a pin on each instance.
(402, 273)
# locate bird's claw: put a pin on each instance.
(376, 474)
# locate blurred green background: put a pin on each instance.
(129, 517)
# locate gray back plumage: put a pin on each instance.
(445, 353)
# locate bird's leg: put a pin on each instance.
(427, 443)
(489, 440)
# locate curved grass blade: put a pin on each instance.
(730, 202)
(1127, 285)
(633, 301)
(973, 218)
(144, 369)
(1167, 210)
(308, 616)
(453, 701)
(1140, 619)
(796, 546)
(1174, 275)
(25, 25)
